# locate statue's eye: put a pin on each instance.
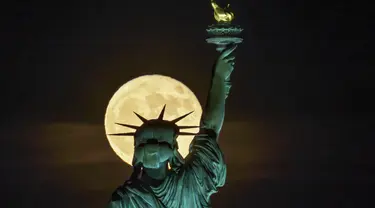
(141, 145)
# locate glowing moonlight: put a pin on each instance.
(147, 95)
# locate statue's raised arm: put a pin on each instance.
(214, 111)
(205, 168)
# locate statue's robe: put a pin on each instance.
(203, 173)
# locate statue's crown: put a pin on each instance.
(157, 123)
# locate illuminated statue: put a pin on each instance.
(161, 177)
(189, 182)
(222, 14)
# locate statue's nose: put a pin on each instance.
(152, 141)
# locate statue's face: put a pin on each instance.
(153, 146)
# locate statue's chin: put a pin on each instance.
(151, 165)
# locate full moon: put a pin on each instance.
(146, 95)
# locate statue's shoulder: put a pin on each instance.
(122, 191)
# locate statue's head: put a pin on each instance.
(155, 141)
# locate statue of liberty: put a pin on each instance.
(161, 177)
(188, 182)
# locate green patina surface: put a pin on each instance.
(191, 181)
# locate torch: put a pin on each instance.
(223, 33)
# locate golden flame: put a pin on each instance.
(222, 14)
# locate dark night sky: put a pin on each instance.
(297, 131)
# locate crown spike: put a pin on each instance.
(161, 115)
(128, 125)
(123, 134)
(181, 117)
(140, 117)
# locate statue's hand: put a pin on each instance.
(225, 63)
